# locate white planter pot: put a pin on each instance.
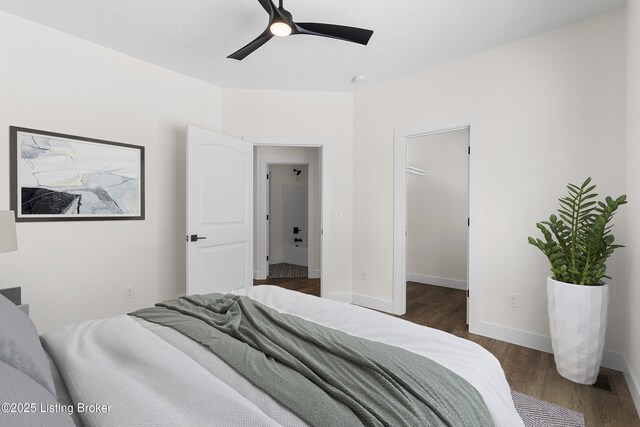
(578, 322)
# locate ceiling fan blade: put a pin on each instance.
(242, 53)
(341, 32)
(268, 6)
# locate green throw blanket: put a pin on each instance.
(325, 376)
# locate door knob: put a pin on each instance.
(195, 238)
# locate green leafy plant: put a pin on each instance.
(579, 242)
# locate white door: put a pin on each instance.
(219, 212)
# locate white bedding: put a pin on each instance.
(154, 376)
(467, 359)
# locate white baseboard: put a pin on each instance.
(513, 336)
(314, 274)
(438, 281)
(258, 275)
(362, 300)
(614, 360)
(619, 362)
(374, 303)
(274, 260)
(340, 296)
(610, 359)
(633, 384)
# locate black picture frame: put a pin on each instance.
(60, 177)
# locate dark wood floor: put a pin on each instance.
(300, 284)
(528, 371)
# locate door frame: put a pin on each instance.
(325, 209)
(400, 211)
(263, 210)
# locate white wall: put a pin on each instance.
(325, 115)
(71, 271)
(437, 209)
(550, 110)
(632, 251)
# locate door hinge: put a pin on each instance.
(267, 176)
(267, 257)
(469, 149)
(267, 217)
(467, 293)
(468, 221)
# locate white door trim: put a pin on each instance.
(263, 203)
(323, 166)
(400, 214)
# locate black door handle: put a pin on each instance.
(195, 238)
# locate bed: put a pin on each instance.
(128, 371)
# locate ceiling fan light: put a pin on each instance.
(280, 29)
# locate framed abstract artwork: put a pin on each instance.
(58, 177)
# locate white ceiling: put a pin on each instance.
(194, 37)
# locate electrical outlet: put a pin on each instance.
(337, 215)
(363, 274)
(513, 300)
(129, 292)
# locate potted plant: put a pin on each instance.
(577, 243)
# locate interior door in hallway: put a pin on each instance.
(219, 212)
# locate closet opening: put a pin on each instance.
(437, 231)
(436, 222)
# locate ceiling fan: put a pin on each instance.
(281, 25)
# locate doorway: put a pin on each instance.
(288, 210)
(288, 219)
(401, 138)
(225, 230)
(437, 212)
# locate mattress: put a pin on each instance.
(152, 375)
